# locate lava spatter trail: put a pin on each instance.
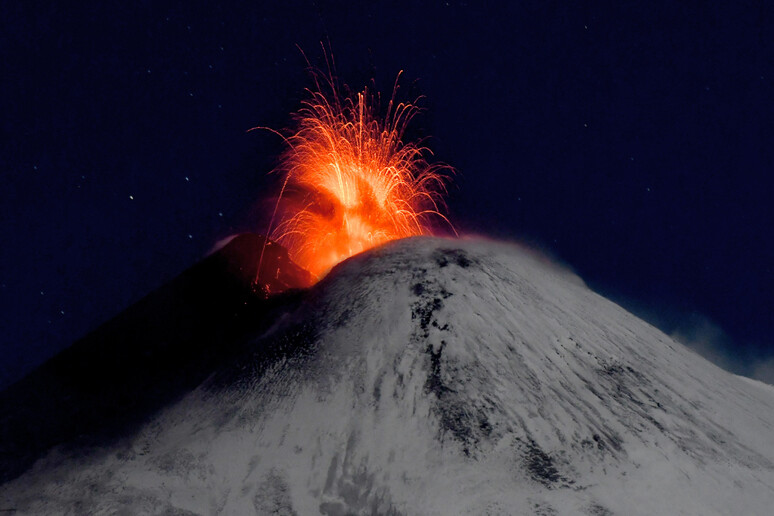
(350, 181)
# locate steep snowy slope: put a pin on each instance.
(442, 377)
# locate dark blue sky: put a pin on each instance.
(632, 140)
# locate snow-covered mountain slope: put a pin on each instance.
(443, 377)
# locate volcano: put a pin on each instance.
(425, 376)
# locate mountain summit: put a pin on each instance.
(434, 376)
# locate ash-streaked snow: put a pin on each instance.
(435, 376)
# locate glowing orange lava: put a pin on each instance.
(351, 183)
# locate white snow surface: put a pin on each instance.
(441, 377)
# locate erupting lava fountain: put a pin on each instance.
(350, 181)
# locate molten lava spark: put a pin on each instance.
(351, 183)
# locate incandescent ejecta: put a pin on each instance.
(433, 376)
(350, 181)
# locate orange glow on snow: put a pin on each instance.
(350, 182)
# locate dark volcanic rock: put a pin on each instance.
(147, 356)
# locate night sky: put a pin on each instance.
(632, 141)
